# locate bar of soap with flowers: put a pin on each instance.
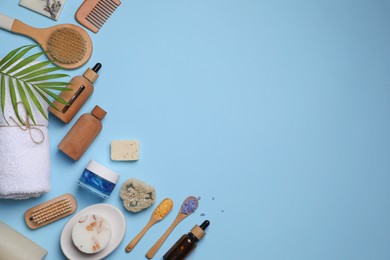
(49, 8)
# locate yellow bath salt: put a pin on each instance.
(164, 208)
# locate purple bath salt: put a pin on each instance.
(189, 205)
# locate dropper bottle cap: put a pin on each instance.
(198, 231)
(91, 74)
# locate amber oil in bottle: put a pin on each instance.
(187, 242)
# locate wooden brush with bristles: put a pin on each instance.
(94, 13)
(50, 211)
(67, 45)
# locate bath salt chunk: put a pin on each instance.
(137, 195)
(124, 150)
(91, 233)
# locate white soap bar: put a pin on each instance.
(124, 150)
(49, 8)
(91, 234)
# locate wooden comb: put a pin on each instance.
(94, 13)
(50, 211)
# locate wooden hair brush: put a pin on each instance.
(67, 45)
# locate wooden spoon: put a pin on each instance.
(158, 214)
(189, 206)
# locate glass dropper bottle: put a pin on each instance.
(187, 242)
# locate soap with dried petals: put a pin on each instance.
(91, 233)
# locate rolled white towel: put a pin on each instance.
(24, 153)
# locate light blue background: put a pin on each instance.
(279, 110)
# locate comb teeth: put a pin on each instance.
(50, 211)
(101, 12)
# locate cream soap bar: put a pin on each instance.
(49, 8)
(91, 234)
(14, 245)
(124, 150)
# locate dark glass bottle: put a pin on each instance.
(186, 243)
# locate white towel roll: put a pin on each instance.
(24, 153)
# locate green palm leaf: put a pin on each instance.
(16, 57)
(35, 69)
(47, 77)
(11, 54)
(36, 101)
(30, 82)
(25, 101)
(3, 93)
(12, 93)
(55, 96)
(44, 97)
(57, 83)
(25, 62)
(58, 88)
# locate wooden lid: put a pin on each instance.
(198, 232)
(90, 75)
(98, 112)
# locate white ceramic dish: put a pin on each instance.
(118, 229)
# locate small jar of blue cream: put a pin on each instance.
(98, 179)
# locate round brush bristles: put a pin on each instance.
(67, 46)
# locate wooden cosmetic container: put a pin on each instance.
(81, 89)
(82, 134)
